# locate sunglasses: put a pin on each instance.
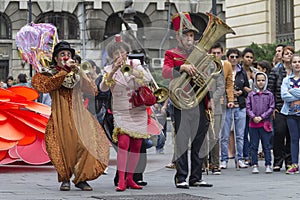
(232, 57)
(216, 52)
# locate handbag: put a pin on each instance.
(136, 99)
(268, 126)
(143, 96)
(146, 95)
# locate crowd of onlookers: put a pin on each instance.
(262, 111)
(22, 80)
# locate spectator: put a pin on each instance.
(9, 81)
(290, 93)
(281, 139)
(260, 120)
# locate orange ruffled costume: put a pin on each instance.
(22, 126)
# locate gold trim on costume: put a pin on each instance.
(108, 83)
(118, 130)
(140, 79)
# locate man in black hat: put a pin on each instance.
(76, 143)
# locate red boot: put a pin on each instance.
(131, 184)
(121, 187)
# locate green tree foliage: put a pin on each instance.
(263, 51)
(157, 75)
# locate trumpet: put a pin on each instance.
(161, 93)
(126, 69)
(86, 66)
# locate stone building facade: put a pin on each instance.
(263, 22)
(87, 24)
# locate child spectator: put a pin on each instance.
(264, 66)
(260, 105)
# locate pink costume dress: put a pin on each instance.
(128, 119)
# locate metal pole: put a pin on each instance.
(83, 31)
(29, 11)
(214, 7)
(29, 21)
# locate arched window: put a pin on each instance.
(67, 24)
(5, 27)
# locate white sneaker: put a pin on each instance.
(268, 169)
(183, 185)
(255, 169)
(242, 164)
(223, 165)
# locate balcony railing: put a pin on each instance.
(286, 38)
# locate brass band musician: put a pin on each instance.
(189, 123)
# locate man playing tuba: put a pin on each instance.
(190, 124)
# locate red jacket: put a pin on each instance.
(174, 58)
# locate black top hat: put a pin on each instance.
(63, 45)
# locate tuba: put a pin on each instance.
(187, 92)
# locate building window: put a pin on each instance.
(5, 27)
(4, 69)
(285, 21)
(67, 24)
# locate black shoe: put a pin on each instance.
(141, 183)
(84, 186)
(183, 185)
(65, 186)
(216, 171)
(200, 184)
(276, 169)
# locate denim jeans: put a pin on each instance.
(293, 123)
(160, 142)
(255, 135)
(239, 117)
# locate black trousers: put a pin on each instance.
(190, 126)
(281, 141)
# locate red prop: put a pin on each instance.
(22, 126)
(143, 96)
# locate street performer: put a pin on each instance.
(190, 124)
(75, 142)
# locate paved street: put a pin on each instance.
(40, 182)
